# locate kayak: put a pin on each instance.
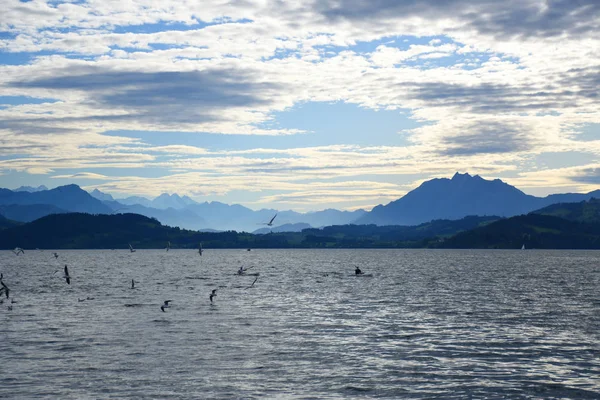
(249, 274)
(363, 275)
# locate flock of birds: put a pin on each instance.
(4, 290)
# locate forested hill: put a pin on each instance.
(584, 211)
(85, 231)
(7, 223)
(534, 231)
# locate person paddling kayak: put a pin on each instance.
(357, 271)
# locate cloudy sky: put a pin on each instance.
(332, 103)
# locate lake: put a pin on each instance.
(429, 324)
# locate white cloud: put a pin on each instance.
(520, 86)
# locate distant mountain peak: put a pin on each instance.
(166, 200)
(69, 198)
(30, 189)
(71, 187)
(101, 195)
(458, 176)
(468, 177)
(454, 198)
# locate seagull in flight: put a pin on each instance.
(212, 294)
(18, 250)
(67, 276)
(252, 283)
(270, 223)
(4, 289)
(165, 305)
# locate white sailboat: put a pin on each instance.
(131, 248)
(200, 249)
(523, 247)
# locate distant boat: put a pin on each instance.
(200, 249)
(168, 245)
(131, 248)
(523, 247)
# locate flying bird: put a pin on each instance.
(165, 305)
(212, 294)
(255, 279)
(67, 276)
(18, 250)
(4, 289)
(270, 223)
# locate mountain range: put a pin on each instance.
(461, 196)
(437, 199)
(559, 226)
(169, 209)
(30, 189)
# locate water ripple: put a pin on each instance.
(428, 324)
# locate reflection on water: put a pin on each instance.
(428, 324)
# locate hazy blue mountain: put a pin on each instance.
(101, 196)
(182, 211)
(28, 212)
(326, 217)
(458, 197)
(166, 200)
(131, 200)
(182, 218)
(283, 228)
(223, 217)
(69, 198)
(30, 189)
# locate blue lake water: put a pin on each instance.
(429, 324)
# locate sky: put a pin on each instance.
(298, 105)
